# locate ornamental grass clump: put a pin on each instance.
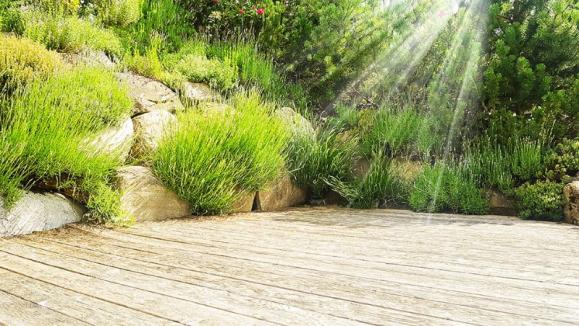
(121, 13)
(48, 130)
(22, 60)
(214, 157)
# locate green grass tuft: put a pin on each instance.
(213, 157)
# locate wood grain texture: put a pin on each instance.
(300, 267)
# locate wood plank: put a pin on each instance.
(339, 286)
(377, 273)
(79, 306)
(172, 309)
(15, 311)
(252, 307)
(518, 267)
(322, 305)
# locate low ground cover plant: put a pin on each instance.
(215, 157)
(22, 60)
(541, 200)
(66, 33)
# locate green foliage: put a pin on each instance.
(120, 13)
(22, 60)
(563, 161)
(214, 157)
(501, 167)
(396, 133)
(67, 33)
(380, 187)
(532, 66)
(542, 200)
(222, 75)
(159, 19)
(315, 162)
(48, 130)
(58, 6)
(444, 187)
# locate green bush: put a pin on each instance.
(542, 200)
(120, 13)
(316, 162)
(68, 34)
(445, 188)
(23, 60)
(563, 161)
(197, 68)
(380, 187)
(50, 126)
(212, 158)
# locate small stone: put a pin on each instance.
(280, 195)
(88, 58)
(244, 204)
(296, 122)
(145, 198)
(195, 93)
(571, 210)
(500, 204)
(38, 212)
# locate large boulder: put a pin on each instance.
(195, 93)
(571, 194)
(38, 212)
(150, 95)
(145, 198)
(280, 195)
(298, 125)
(115, 140)
(149, 129)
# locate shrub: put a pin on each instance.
(213, 157)
(445, 188)
(68, 34)
(542, 200)
(49, 127)
(120, 13)
(22, 60)
(563, 160)
(214, 72)
(315, 162)
(380, 187)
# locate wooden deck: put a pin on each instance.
(303, 267)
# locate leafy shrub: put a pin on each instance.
(68, 34)
(563, 160)
(49, 127)
(314, 162)
(120, 13)
(200, 69)
(380, 187)
(22, 60)
(213, 157)
(542, 200)
(445, 188)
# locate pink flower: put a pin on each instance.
(241, 11)
(260, 11)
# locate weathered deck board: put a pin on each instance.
(307, 266)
